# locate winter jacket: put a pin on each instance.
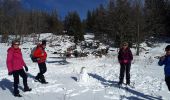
(14, 59)
(40, 54)
(125, 56)
(165, 62)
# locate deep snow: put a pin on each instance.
(100, 80)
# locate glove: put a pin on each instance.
(162, 58)
(26, 68)
(10, 73)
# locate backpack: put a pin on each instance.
(34, 59)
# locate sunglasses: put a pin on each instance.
(16, 44)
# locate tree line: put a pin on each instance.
(16, 20)
(130, 20)
(118, 21)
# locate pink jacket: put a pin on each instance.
(14, 59)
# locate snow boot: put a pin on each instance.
(43, 81)
(37, 78)
(127, 82)
(120, 84)
(17, 95)
(27, 89)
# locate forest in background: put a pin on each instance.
(118, 21)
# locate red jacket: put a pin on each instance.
(14, 59)
(40, 54)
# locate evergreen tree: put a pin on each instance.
(89, 22)
(100, 16)
(54, 23)
(155, 12)
(111, 19)
(138, 24)
(168, 17)
(123, 23)
(73, 26)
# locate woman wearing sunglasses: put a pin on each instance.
(125, 57)
(15, 65)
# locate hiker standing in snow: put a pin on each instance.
(41, 56)
(15, 64)
(125, 57)
(165, 60)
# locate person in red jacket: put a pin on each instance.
(41, 56)
(15, 64)
(125, 58)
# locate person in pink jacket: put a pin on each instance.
(15, 66)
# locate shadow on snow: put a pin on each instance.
(107, 83)
(6, 84)
(60, 62)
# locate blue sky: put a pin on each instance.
(64, 6)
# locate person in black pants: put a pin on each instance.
(167, 80)
(41, 56)
(16, 75)
(16, 65)
(125, 57)
(125, 68)
(40, 75)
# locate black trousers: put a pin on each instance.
(43, 69)
(16, 75)
(167, 80)
(125, 68)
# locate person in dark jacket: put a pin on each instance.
(41, 56)
(125, 57)
(15, 65)
(165, 60)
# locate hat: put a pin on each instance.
(167, 48)
(44, 42)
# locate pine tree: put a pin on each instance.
(168, 17)
(54, 23)
(111, 19)
(138, 24)
(73, 26)
(155, 12)
(89, 22)
(100, 19)
(123, 21)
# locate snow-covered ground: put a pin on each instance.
(100, 81)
